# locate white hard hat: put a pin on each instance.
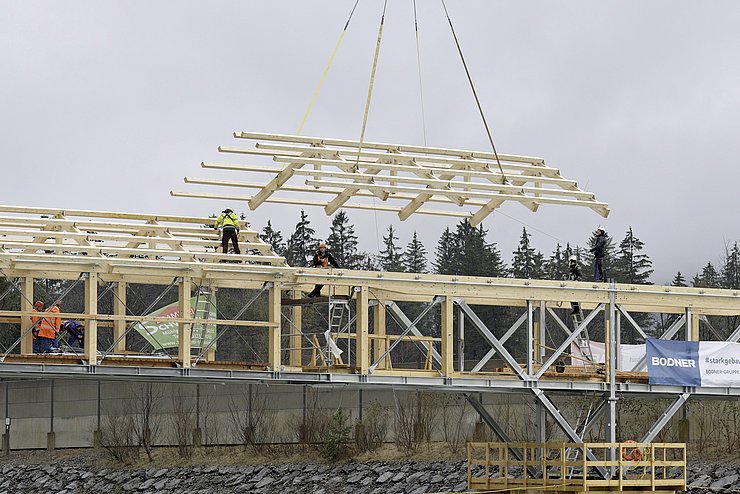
(572, 258)
(600, 229)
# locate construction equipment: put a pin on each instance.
(583, 341)
(202, 310)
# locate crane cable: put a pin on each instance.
(418, 65)
(326, 70)
(475, 94)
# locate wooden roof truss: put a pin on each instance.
(466, 183)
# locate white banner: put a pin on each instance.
(719, 363)
(627, 357)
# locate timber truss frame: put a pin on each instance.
(376, 298)
(352, 173)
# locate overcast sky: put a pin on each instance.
(108, 105)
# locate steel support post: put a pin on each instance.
(184, 289)
(362, 340)
(119, 309)
(273, 315)
(379, 324)
(530, 337)
(296, 342)
(91, 329)
(542, 327)
(540, 423)
(611, 353)
(26, 323)
(460, 340)
(448, 343)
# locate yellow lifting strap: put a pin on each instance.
(370, 87)
(326, 70)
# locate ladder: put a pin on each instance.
(583, 340)
(584, 414)
(338, 307)
(202, 311)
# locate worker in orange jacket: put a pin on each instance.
(45, 328)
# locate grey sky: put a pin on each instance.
(107, 105)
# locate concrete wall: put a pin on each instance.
(80, 407)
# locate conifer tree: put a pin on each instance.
(390, 257)
(630, 266)
(731, 268)
(274, 238)
(527, 263)
(466, 252)
(302, 244)
(709, 278)
(445, 253)
(414, 258)
(679, 280)
(342, 242)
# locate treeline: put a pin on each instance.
(466, 251)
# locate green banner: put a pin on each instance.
(165, 335)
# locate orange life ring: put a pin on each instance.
(634, 455)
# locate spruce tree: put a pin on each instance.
(630, 266)
(274, 238)
(527, 263)
(472, 255)
(414, 258)
(709, 278)
(390, 257)
(731, 268)
(342, 242)
(445, 253)
(678, 280)
(302, 244)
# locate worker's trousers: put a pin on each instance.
(599, 269)
(229, 233)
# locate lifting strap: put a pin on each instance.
(326, 70)
(418, 65)
(370, 87)
(475, 94)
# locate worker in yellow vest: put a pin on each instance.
(228, 223)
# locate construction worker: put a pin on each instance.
(228, 223)
(574, 274)
(322, 259)
(599, 251)
(38, 306)
(47, 327)
(76, 332)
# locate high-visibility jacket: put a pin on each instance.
(229, 220)
(47, 326)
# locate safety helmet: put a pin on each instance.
(600, 229)
(572, 258)
(322, 245)
(38, 303)
(227, 211)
